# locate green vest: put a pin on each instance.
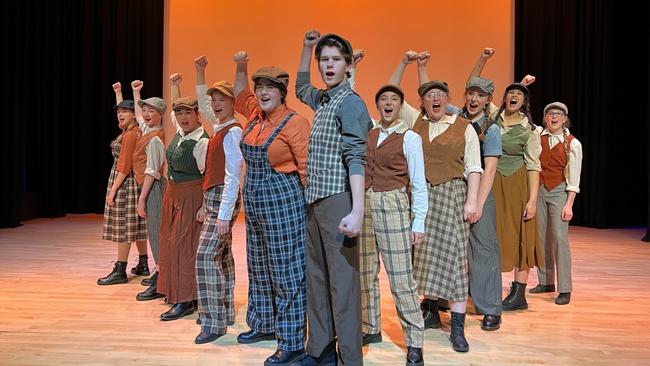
(181, 165)
(513, 144)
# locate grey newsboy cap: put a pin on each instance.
(481, 83)
(155, 102)
(557, 105)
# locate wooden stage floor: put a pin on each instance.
(53, 313)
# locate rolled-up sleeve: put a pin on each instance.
(305, 92)
(355, 121)
(532, 151)
(205, 103)
(472, 152)
(246, 104)
(155, 157)
(574, 166)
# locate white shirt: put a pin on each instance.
(233, 167)
(412, 148)
(574, 162)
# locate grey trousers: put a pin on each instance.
(554, 234)
(333, 289)
(154, 210)
(484, 260)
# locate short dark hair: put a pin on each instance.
(330, 41)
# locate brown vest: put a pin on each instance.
(215, 160)
(140, 154)
(553, 163)
(444, 156)
(386, 166)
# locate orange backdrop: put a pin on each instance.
(455, 32)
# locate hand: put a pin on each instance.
(469, 210)
(175, 79)
(137, 85)
(311, 38)
(351, 224)
(200, 63)
(240, 57)
(223, 227)
(110, 199)
(200, 214)
(357, 56)
(409, 57)
(567, 213)
(528, 79)
(142, 209)
(416, 238)
(117, 87)
(530, 210)
(477, 214)
(423, 58)
(487, 53)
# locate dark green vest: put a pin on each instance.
(181, 165)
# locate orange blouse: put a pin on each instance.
(288, 152)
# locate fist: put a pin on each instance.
(357, 56)
(410, 56)
(137, 85)
(311, 38)
(117, 87)
(423, 57)
(201, 63)
(240, 57)
(487, 52)
(176, 78)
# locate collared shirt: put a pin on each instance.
(412, 148)
(472, 157)
(201, 147)
(288, 152)
(574, 162)
(352, 117)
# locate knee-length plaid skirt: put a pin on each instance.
(440, 261)
(121, 222)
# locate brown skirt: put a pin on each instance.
(179, 239)
(519, 239)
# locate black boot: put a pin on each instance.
(414, 357)
(118, 275)
(457, 336)
(516, 299)
(151, 293)
(142, 269)
(430, 314)
(149, 281)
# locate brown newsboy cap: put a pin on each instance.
(438, 84)
(185, 102)
(222, 87)
(272, 73)
(390, 88)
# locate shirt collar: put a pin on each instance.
(327, 95)
(447, 118)
(400, 127)
(194, 135)
(218, 125)
(559, 137)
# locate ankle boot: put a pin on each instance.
(457, 336)
(142, 269)
(118, 275)
(516, 299)
(430, 314)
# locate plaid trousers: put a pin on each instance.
(215, 268)
(386, 230)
